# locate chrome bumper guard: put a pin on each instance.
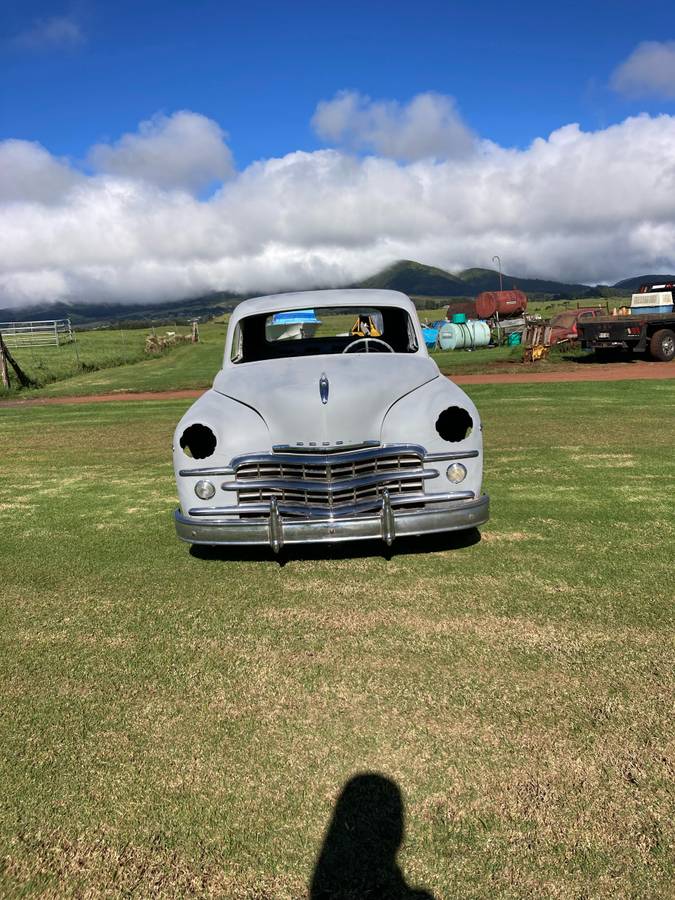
(385, 520)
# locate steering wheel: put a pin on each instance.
(366, 341)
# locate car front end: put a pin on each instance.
(329, 449)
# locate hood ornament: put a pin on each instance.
(323, 388)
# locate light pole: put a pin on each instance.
(500, 270)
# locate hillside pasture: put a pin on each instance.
(177, 723)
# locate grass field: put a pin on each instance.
(181, 724)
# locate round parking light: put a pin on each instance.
(456, 473)
(205, 490)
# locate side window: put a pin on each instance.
(236, 351)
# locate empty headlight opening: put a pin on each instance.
(454, 424)
(198, 441)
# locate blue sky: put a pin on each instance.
(155, 150)
(516, 70)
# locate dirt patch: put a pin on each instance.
(508, 536)
(627, 371)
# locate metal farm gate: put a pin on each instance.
(48, 332)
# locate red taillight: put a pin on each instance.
(634, 330)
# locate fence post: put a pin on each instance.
(3, 365)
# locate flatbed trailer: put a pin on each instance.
(653, 332)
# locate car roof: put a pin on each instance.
(317, 299)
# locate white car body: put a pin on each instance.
(330, 446)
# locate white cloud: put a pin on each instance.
(576, 205)
(52, 33)
(185, 150)
(649, 70)
(429, 126)
(29, 173)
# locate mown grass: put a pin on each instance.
(177, 724)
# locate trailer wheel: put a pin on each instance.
(662, 344)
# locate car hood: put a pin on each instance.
(361, 388)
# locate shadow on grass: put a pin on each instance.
(358, 857)
(370, 549)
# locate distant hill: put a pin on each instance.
(429, 281)
(488, 280)
(83, 314)
(633, 284)
(424, 283)
(414, 278)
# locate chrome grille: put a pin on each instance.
(336, 499)
(326, 472)
(334, 482)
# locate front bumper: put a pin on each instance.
(385, 524)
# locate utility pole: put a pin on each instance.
(500, 270)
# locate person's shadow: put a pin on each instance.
(358, 857)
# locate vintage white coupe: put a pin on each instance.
(344, 433)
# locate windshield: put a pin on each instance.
(326, 330)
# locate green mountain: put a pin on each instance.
(133, 314)
(633, 284)
(425, 283)
(488, 280)
(415, 278)
(428, 281)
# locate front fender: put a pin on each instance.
(238, 428)
(412, 419)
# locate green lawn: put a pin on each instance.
(177, 724)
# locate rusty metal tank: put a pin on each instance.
(504, 303)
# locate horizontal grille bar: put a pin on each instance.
(326, 488)
(332, 500)
(333, 459)
(320, 512)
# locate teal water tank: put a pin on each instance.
(459, 318)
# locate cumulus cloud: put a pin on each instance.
(29, 173)
(51, 33)
(648, 71)
(429, 126)
(577, 205)
(185, 150)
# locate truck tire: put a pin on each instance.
(662, 345)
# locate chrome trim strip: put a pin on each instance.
(327, 447)
(456, 454)
(276, 528)
(388, 520)
(323, 458)
(302, 510)
(217, 470)
(330, 487)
